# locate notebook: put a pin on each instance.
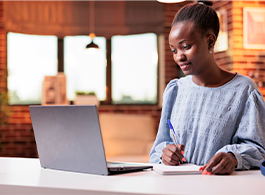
(69, 138)
(182, 169)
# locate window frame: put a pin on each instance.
(6, 45)
(108, 101)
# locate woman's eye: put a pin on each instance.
(186, 47)
(174, 51)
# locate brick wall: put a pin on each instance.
(17, 138)
(2, 50)
(249, 62)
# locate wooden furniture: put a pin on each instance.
(127, 137)
(25, 176)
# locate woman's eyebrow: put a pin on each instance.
(182, 41)
(179, 43)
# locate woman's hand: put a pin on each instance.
(220, 163)
(172, 154)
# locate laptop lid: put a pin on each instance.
(69, 138)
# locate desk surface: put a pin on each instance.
(25, 176)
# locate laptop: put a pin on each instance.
(69, 138)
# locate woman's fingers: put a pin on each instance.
(171, 155)
(181, 147)
(169, 161)
(221, 163)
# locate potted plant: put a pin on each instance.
(86, 98)
(4, 107)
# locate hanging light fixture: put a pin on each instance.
(92, 34)
(170, 1)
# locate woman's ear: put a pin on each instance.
(211, 41)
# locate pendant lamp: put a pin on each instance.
(92, 35)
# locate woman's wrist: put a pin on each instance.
(233, 157)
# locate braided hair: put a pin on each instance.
(201, 14)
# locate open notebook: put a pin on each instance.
(182, 169)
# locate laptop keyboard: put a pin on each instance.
(116, 164)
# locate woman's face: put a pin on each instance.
(189, 47)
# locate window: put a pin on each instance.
(85, 69)
(30, 58)
(134, 69)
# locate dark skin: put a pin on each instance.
(172, 154)
(193, 52)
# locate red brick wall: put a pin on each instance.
(2, 49)
(249, 62)
(17, 137)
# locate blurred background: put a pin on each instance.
(127, 73)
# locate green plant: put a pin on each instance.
(85, 93)
(4, 107)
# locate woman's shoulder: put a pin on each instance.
(171, 86)
(244, 82)
(175, 83)
(245, 79)
(244, 86)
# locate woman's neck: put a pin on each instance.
(214, 77)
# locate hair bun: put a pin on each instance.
(209, 3)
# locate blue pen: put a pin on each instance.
(173, 132)
(174, 138)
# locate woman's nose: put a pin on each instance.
(180, 57)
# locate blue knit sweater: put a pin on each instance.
(230, 118)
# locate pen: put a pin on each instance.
(174, 138)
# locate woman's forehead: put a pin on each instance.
(183, 30)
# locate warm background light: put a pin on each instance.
(170, 1)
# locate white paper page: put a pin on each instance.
(177, 170)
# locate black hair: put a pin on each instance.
(201, 14)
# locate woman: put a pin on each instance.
(218, 116)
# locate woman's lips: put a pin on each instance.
(184, 66)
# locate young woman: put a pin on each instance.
(218, 116)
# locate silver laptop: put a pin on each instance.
(69, 138)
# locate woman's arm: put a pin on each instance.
(248, 143)
(163, 134)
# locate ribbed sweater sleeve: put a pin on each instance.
(248, 143)
(163, 135)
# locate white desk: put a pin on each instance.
(25, 176)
